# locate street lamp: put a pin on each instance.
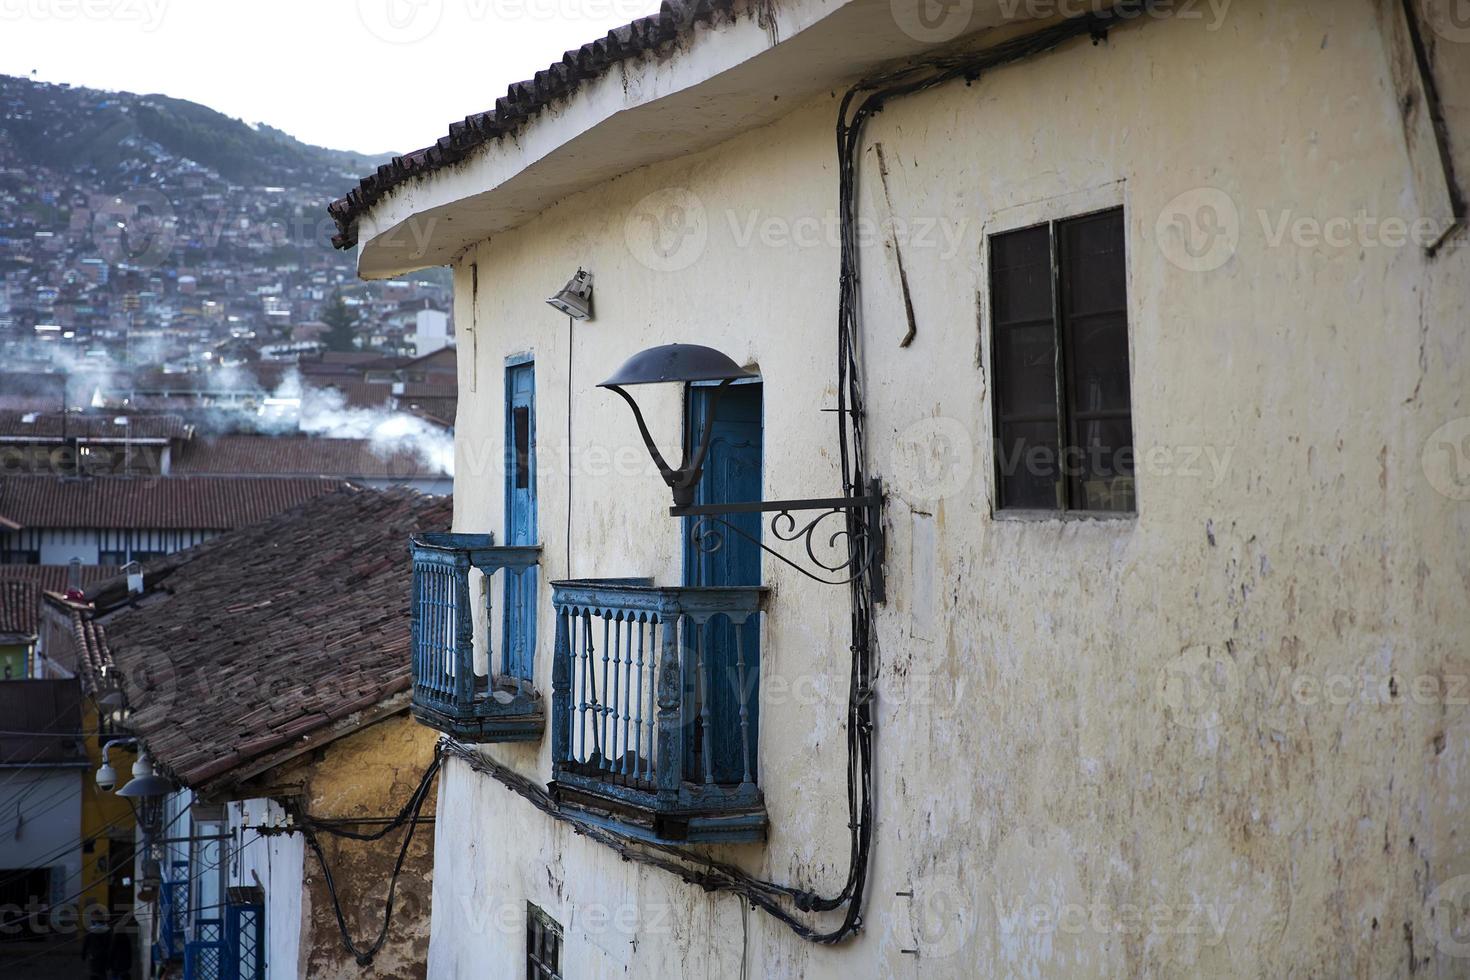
(684, 363)
(149, 789)
(687, 364)
(145, 782)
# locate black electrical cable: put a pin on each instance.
(106, 876)
(46, 859)
(410, 812)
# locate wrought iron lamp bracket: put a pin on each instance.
(863, 528)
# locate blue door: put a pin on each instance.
(519, 644)
(732, 474)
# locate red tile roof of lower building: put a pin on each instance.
(53, 578)
(184, 502)
(244, 646)
(91, 426)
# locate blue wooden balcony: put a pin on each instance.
(655, 721)
(492, 700)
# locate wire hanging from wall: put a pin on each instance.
(309, 826)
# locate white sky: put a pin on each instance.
(364, 75)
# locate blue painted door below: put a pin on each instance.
(726, 753)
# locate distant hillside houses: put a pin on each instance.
(143, 230)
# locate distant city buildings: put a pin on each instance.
(135, 256)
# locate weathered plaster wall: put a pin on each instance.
(371, 773)
(1165, 744)
(368, 774)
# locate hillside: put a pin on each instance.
(144, 230)
(66, 126)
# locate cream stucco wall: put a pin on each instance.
(1053, 791)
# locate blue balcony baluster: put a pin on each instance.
(603, 750)
(743, 692)
(670, 717)
(703, 687)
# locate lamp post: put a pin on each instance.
(146, 787)
(687, 364)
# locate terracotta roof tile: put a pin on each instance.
(74, 425)
(216, 503)
(259, 455)
(53, 578)
(266, 634)
(19, 607)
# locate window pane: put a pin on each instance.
(1020, 276)
(1099, 366)
(1094, 302)
(1024, 369)
(1101, 467)
(1026, 461)
(522, 428)
(1093, 268)
(543, 945)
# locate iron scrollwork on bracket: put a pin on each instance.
(861, 531)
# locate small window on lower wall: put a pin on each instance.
(543, 945)
(1059, 350)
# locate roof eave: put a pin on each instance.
(710, 86)
(223, 778)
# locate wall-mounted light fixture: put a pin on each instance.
(106, 775)
(575, 298)
(863, 527)
(145, 782)
(682, 363)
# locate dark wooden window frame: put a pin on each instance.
(1062, 375)
(543, 945)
